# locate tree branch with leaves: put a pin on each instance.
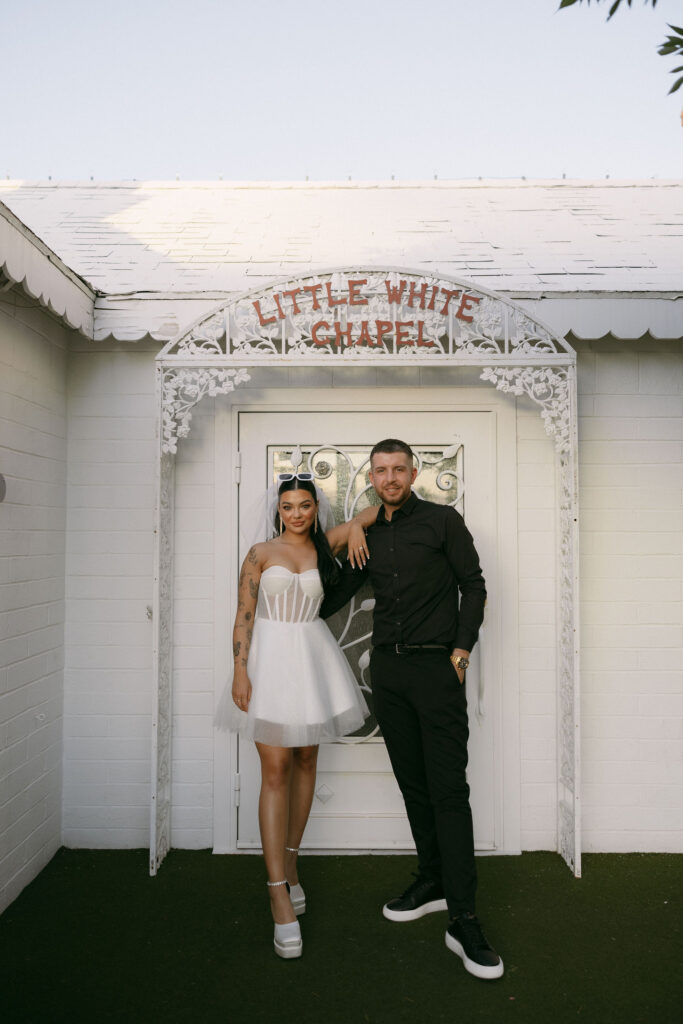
(673, 45)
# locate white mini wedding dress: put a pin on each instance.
(303, 690)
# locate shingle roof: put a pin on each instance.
(207, 239)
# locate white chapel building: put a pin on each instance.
(167, 347)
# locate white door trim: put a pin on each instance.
(506, 746)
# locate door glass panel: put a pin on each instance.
(342, 475)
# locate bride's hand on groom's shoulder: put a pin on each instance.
(357, 546)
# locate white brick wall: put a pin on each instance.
(108, 674)
(32, 521)
(631, 471)
(631, 503)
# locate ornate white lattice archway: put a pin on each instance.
(367, 317)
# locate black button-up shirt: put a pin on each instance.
(426, 577)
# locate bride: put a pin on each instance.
(292, 687)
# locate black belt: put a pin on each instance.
(408, 648)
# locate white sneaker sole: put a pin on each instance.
(413, 915)
(478, 970)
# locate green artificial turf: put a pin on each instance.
(93, 939)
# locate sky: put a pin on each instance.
(364, 89)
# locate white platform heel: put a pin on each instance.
(287, 939)
(296, 893)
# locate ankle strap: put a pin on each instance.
(292, 849)
(283, 882)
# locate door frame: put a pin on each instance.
(507, 767)
(377, 316)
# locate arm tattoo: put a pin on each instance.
(253, 588)
(236, 648)
(251, 557)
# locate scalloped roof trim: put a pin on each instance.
(26, 261)
(588, 318)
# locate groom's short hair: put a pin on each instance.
(391, 445)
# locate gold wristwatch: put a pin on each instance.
(458, 661)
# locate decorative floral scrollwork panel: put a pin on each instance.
(182, 389)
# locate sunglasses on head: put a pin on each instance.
(282, 477)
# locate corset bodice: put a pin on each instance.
(286, 596)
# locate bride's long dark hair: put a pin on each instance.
(327, 563)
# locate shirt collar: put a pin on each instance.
(405, 510)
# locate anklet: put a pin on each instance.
(292, 849)
(283, 882)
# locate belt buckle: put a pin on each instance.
(398, 648)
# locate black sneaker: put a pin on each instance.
(465, 937)
(422, 897)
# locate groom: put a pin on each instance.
(429, 604)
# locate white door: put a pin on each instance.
(358, 804)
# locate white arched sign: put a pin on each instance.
(365, 317)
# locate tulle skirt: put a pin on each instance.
(303, 690)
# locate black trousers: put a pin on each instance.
(421, 708)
